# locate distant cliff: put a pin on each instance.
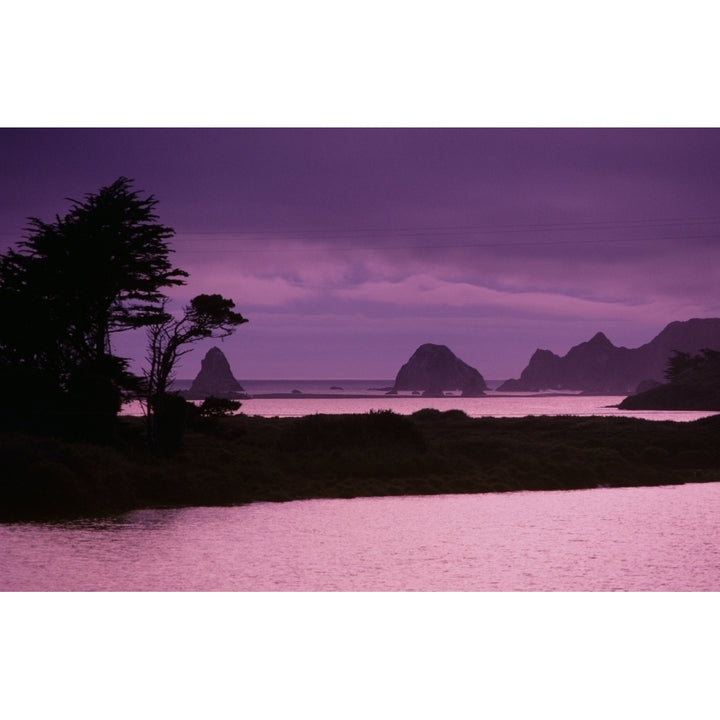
(215, 378)
(433, 369)
(598, 366)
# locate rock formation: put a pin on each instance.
(597, 366)
(434, 369)
(214, 379)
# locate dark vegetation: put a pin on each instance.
(66, 289)
(226, 460)
(693, 384)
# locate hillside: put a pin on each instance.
(597, 366)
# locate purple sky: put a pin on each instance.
(348, 248)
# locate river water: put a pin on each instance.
(625, 539)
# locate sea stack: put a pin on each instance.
(433, 369)
(215, 378)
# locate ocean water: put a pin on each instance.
(296, 398)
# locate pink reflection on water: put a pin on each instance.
(490, 406)
(641, 539)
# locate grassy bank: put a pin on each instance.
(245, 459)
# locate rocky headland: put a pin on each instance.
(435, 369)
(694, 384)
(599, 367)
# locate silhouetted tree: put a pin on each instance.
(214, 407)
(683, 365)
(207, 316)
(73, 282)
(206, 416)
(678, 363)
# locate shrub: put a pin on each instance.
(170, 415)
(213, 407)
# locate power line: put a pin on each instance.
(448, 232)
(443, 246)
(309, 233)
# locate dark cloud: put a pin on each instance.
(365, 241)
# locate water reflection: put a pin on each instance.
(652, 539)
(490, 406)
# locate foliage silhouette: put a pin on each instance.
(248, 459)
(693, 384)
(74, 282)
(169, 339)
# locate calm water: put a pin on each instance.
(375, 398)
(491, 406)
(639, 539)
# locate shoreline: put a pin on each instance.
(244, 459)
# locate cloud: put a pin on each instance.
(247, 290)
(429, 291)
(349, 245)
